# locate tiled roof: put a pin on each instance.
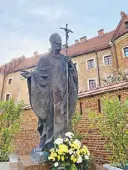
(90, 45)
(93, 44)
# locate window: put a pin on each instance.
(7, 97)
(107, 60)
(126, 24)
(90, 63)
(92, 84)
(9, 81)
(126, 52)
(81, 110)
(119, 97)
(99, 106)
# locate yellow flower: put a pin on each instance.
(62, 158)
(63, 148)
(78, 152)
(75, 145)
(60, 151)
(58, 157)
(52, 156)
(73, 158)
(85, 150)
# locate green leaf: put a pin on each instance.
(10, 118)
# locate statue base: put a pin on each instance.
(29, 164)
(39, 157)
(26, 163)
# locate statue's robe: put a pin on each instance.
(48, 96)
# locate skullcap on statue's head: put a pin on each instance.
(55, 37)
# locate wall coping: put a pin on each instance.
(101, 90)
(97, 91)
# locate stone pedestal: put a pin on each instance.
(26, 163)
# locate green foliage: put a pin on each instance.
(73, 125)
(10, 118)
(112, 124)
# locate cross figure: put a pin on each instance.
(67, 31)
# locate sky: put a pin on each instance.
(25, 25)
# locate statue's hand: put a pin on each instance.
(25, 73)
(68, 60)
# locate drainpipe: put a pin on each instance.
(1, 97)
(115, 54)
(98, 69)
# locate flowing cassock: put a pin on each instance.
(48, 96)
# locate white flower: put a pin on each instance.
(69, 134)
(78, 142)
(86, 157)
(79, 160)
(66, 140)
(52, 149)
(58, 141)
(70, 151)
(56, 164)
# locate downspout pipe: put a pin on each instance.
(4, 73)
(98, 69)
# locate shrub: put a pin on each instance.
(73, 125)
(112, 123)
(10, 118)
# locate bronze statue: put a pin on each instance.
(48, 85)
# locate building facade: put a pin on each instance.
(95, 59)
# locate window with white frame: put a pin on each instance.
(91, 63)
(7, 97)
(126, 52)
(92, 84)
(107, 60)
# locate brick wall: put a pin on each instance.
(94, 140)
(28, 137)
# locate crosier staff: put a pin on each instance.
(67, 31)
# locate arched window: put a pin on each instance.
(126, 51)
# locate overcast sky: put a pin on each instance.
(25, 25)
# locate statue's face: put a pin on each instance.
(56, 46)
(56, 43)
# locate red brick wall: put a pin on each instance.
(28, 137)
(93, 139)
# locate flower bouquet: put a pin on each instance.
(69, 154)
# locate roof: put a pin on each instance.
(75, 49)
(19, 64)
(121, 29)
(90, 45)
